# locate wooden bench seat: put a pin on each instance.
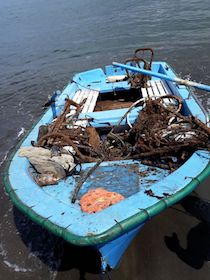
(157, 89)
(90, 97)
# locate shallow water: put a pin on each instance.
(42, 44)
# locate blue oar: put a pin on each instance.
(163, 77)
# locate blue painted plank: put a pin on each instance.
(31, 197)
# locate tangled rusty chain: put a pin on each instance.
(161, 136)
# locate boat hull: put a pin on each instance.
(111, 230)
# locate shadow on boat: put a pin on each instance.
(197, 250)
(53, 251)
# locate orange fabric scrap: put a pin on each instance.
(96, 200)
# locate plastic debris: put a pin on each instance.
(98, 199)
(49, 168)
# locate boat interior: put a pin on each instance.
(108, 94)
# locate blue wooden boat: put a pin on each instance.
(109, 231)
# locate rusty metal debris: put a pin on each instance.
(161, 136)
(82, 180)
(140, 60)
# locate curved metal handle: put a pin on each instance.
(142, 50)
(137, 80)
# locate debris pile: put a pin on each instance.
(161, 136)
